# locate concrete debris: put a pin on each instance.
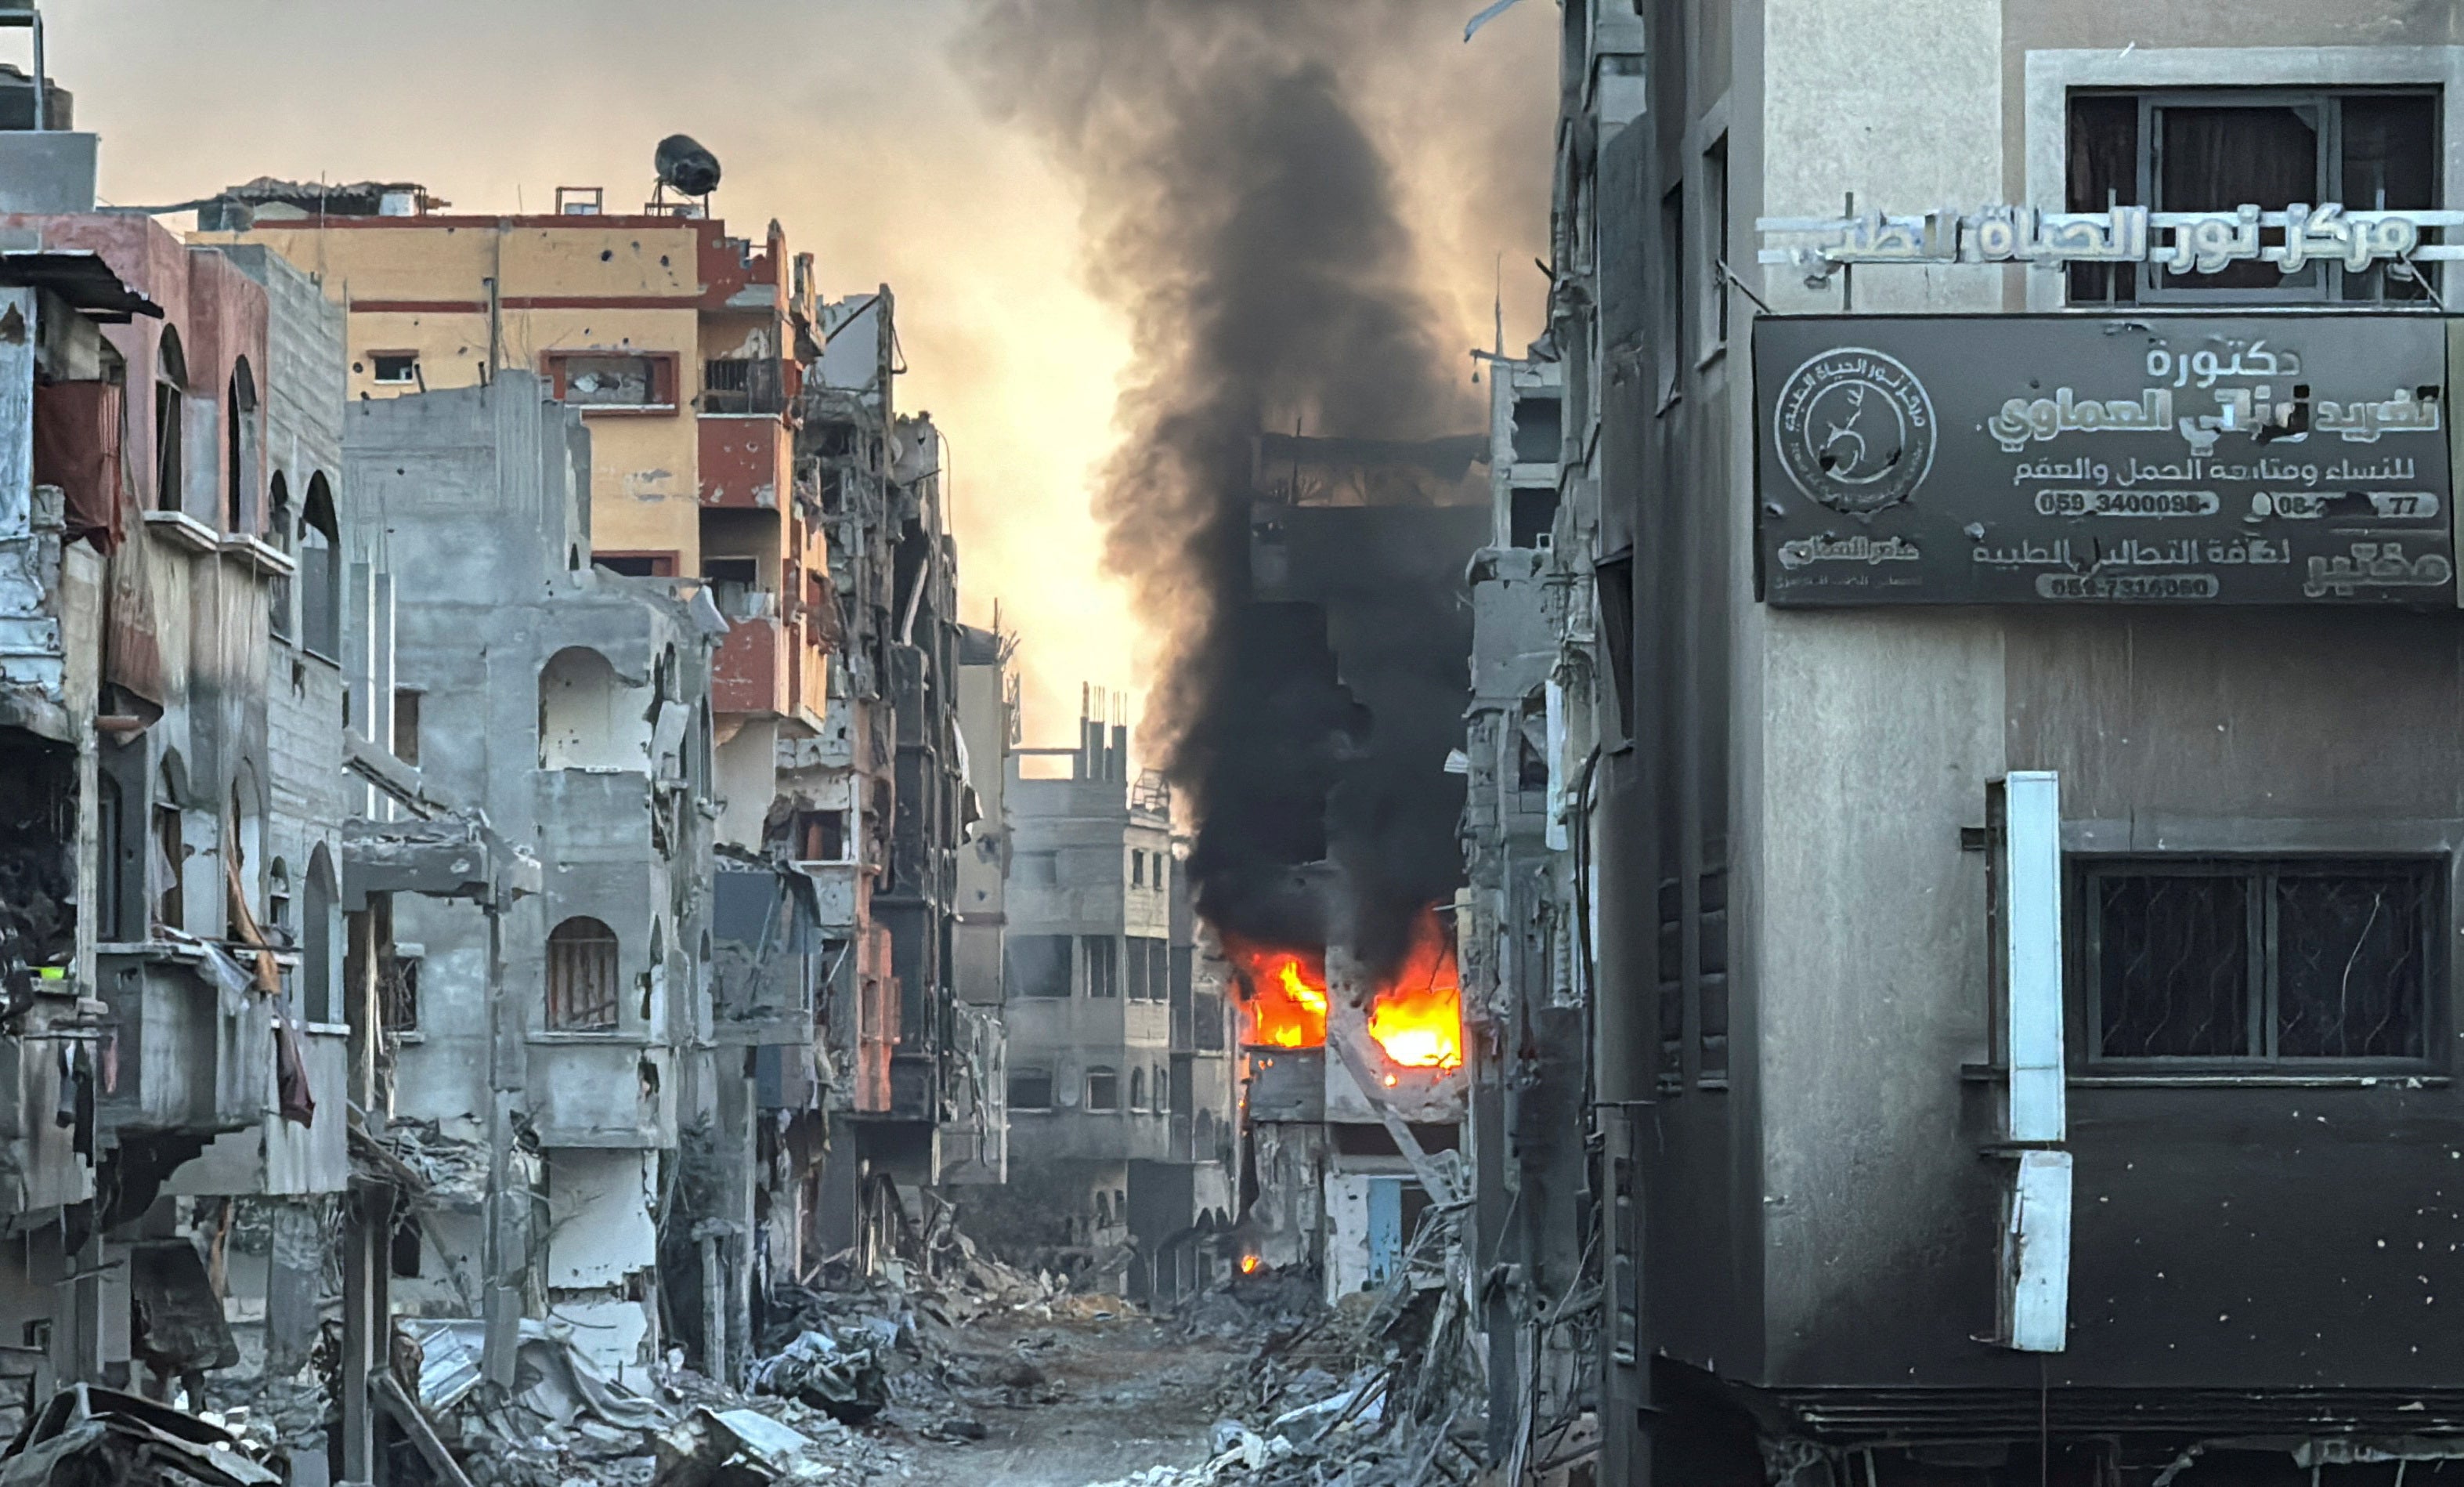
(843, 1379)
(91, 1434)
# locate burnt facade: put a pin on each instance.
(2022, 1038)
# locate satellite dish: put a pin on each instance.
(686, 168)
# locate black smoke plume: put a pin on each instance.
(1241, 213)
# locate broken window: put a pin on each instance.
(170, 859)
(1715, 233)
(1531, 516)
(2234, 960)
(1103, 1088)
(398, 989)
(394, 369)
(1538, 429)
(278, 520)
(1037, 965)
(736, 587)
(636, 564)
(406, 726)
(1206, 1020)
(1613, 580)
(320, 572)
(598, 379)
(1103, 955)
(581, 977)
(2369, 149)
(240, 440)
(589, 718)
(1137, 1089)
(1675, 340)
(1030, 1089)
(38, 856)
(1137, 868)
(171, 381)
(821, 837)
(736, 384)
(319, 919)
(1139, 989)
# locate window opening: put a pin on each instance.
(2258, 961)
(1030, 1089)
(581, 977)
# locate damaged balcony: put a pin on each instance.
(192, 1041)
(745, 459)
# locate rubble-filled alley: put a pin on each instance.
(925, 789)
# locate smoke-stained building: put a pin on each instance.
(875, 806)
(1120, 1102)
(2020, 1023)
(580, 724)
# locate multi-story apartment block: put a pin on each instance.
(1120, 1108)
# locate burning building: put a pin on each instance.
(1351, 1015)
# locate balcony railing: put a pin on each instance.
(739, 386)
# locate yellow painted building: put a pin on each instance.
(681, 344)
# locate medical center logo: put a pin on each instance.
(1855, 430)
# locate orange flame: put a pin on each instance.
(1416, 1018)
(1249, 1264)
(1418, 1015)
(1287, 1000)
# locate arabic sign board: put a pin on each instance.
(2059, 459)
(2182, 242)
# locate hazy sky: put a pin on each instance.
(843, 119)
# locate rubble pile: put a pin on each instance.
(566, 1422)
(1383, 1391)
(86, 1434)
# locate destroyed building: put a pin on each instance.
(1352, 1040)
(876, 805)
(572, 708)
(1121, 1100)
(189, 625)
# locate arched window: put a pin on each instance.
(171, 385)
(244, 838)
(278, 530)
(278, 925)
(589, 718)
(239, 446)
(319, 918)
(1162, 1088)
(581, 977)
(167, 864)
(321, 571)
(1137, 1089)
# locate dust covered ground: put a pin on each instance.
(1093, 1400)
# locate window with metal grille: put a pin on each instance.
(2257, 961)
(2216, 149)
(581, 977)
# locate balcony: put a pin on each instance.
(192, 1057)
(744, 461)
(745, 675)
(595, 1090)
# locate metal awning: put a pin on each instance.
(78, 275)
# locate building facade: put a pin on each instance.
(2020, 1048)
(1120, 1106)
